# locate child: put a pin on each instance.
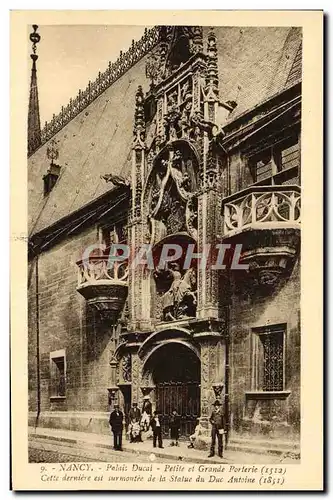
(197, 433)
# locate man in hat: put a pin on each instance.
(156, 425)
(217, 421)
(116, 423)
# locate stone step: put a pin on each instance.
(267, 443)
(283, 448)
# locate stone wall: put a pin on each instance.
(65, 323)
(252, 310)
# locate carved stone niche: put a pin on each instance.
(170, 198)
(175, 287)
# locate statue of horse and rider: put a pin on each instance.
(180, 300)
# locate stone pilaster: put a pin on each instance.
(209, 198)
(208, 277)
(213, 364)
(137, 395)
(139, 278)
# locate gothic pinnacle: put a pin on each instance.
(139, 117)
(212, 69)
(34, 130)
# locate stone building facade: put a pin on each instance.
(192, 138)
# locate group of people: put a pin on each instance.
(144, 421)
(139, 422)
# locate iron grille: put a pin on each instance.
(273, 360)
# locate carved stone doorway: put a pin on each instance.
(175, 370)
(127, 394)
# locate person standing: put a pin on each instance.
(156, 425)
(116, 423)
(174, 425)
(134, 423)
(217, 421)
(146, 414)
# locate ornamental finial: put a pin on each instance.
(52, 151)
(34, 38)
(34, 132)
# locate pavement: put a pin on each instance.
(55, 452)
(99, 447)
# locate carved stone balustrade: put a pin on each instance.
(104, 285)
(265, 220)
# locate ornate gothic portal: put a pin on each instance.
(176, 384)
(175, 193)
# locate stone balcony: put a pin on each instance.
(265, 220)
(104, 285)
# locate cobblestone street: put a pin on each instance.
(41, 451)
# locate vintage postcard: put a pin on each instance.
(166, 297)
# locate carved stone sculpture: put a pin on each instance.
(179, 301)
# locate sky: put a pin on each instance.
(70, 56)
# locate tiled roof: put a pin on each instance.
(254, 63)
(96, 142)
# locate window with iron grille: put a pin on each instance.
(268, 358)
(58, 374)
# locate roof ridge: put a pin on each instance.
(103, 81)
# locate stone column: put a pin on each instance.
(213, 359)
(137, 395)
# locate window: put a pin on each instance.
(58, 374)
(268, 358)
(50, 178)
(115, 234)
(287, 156)
(270, 165)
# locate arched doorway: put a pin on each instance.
(175, 371)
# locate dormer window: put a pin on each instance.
(53, 172)
(50, 178)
